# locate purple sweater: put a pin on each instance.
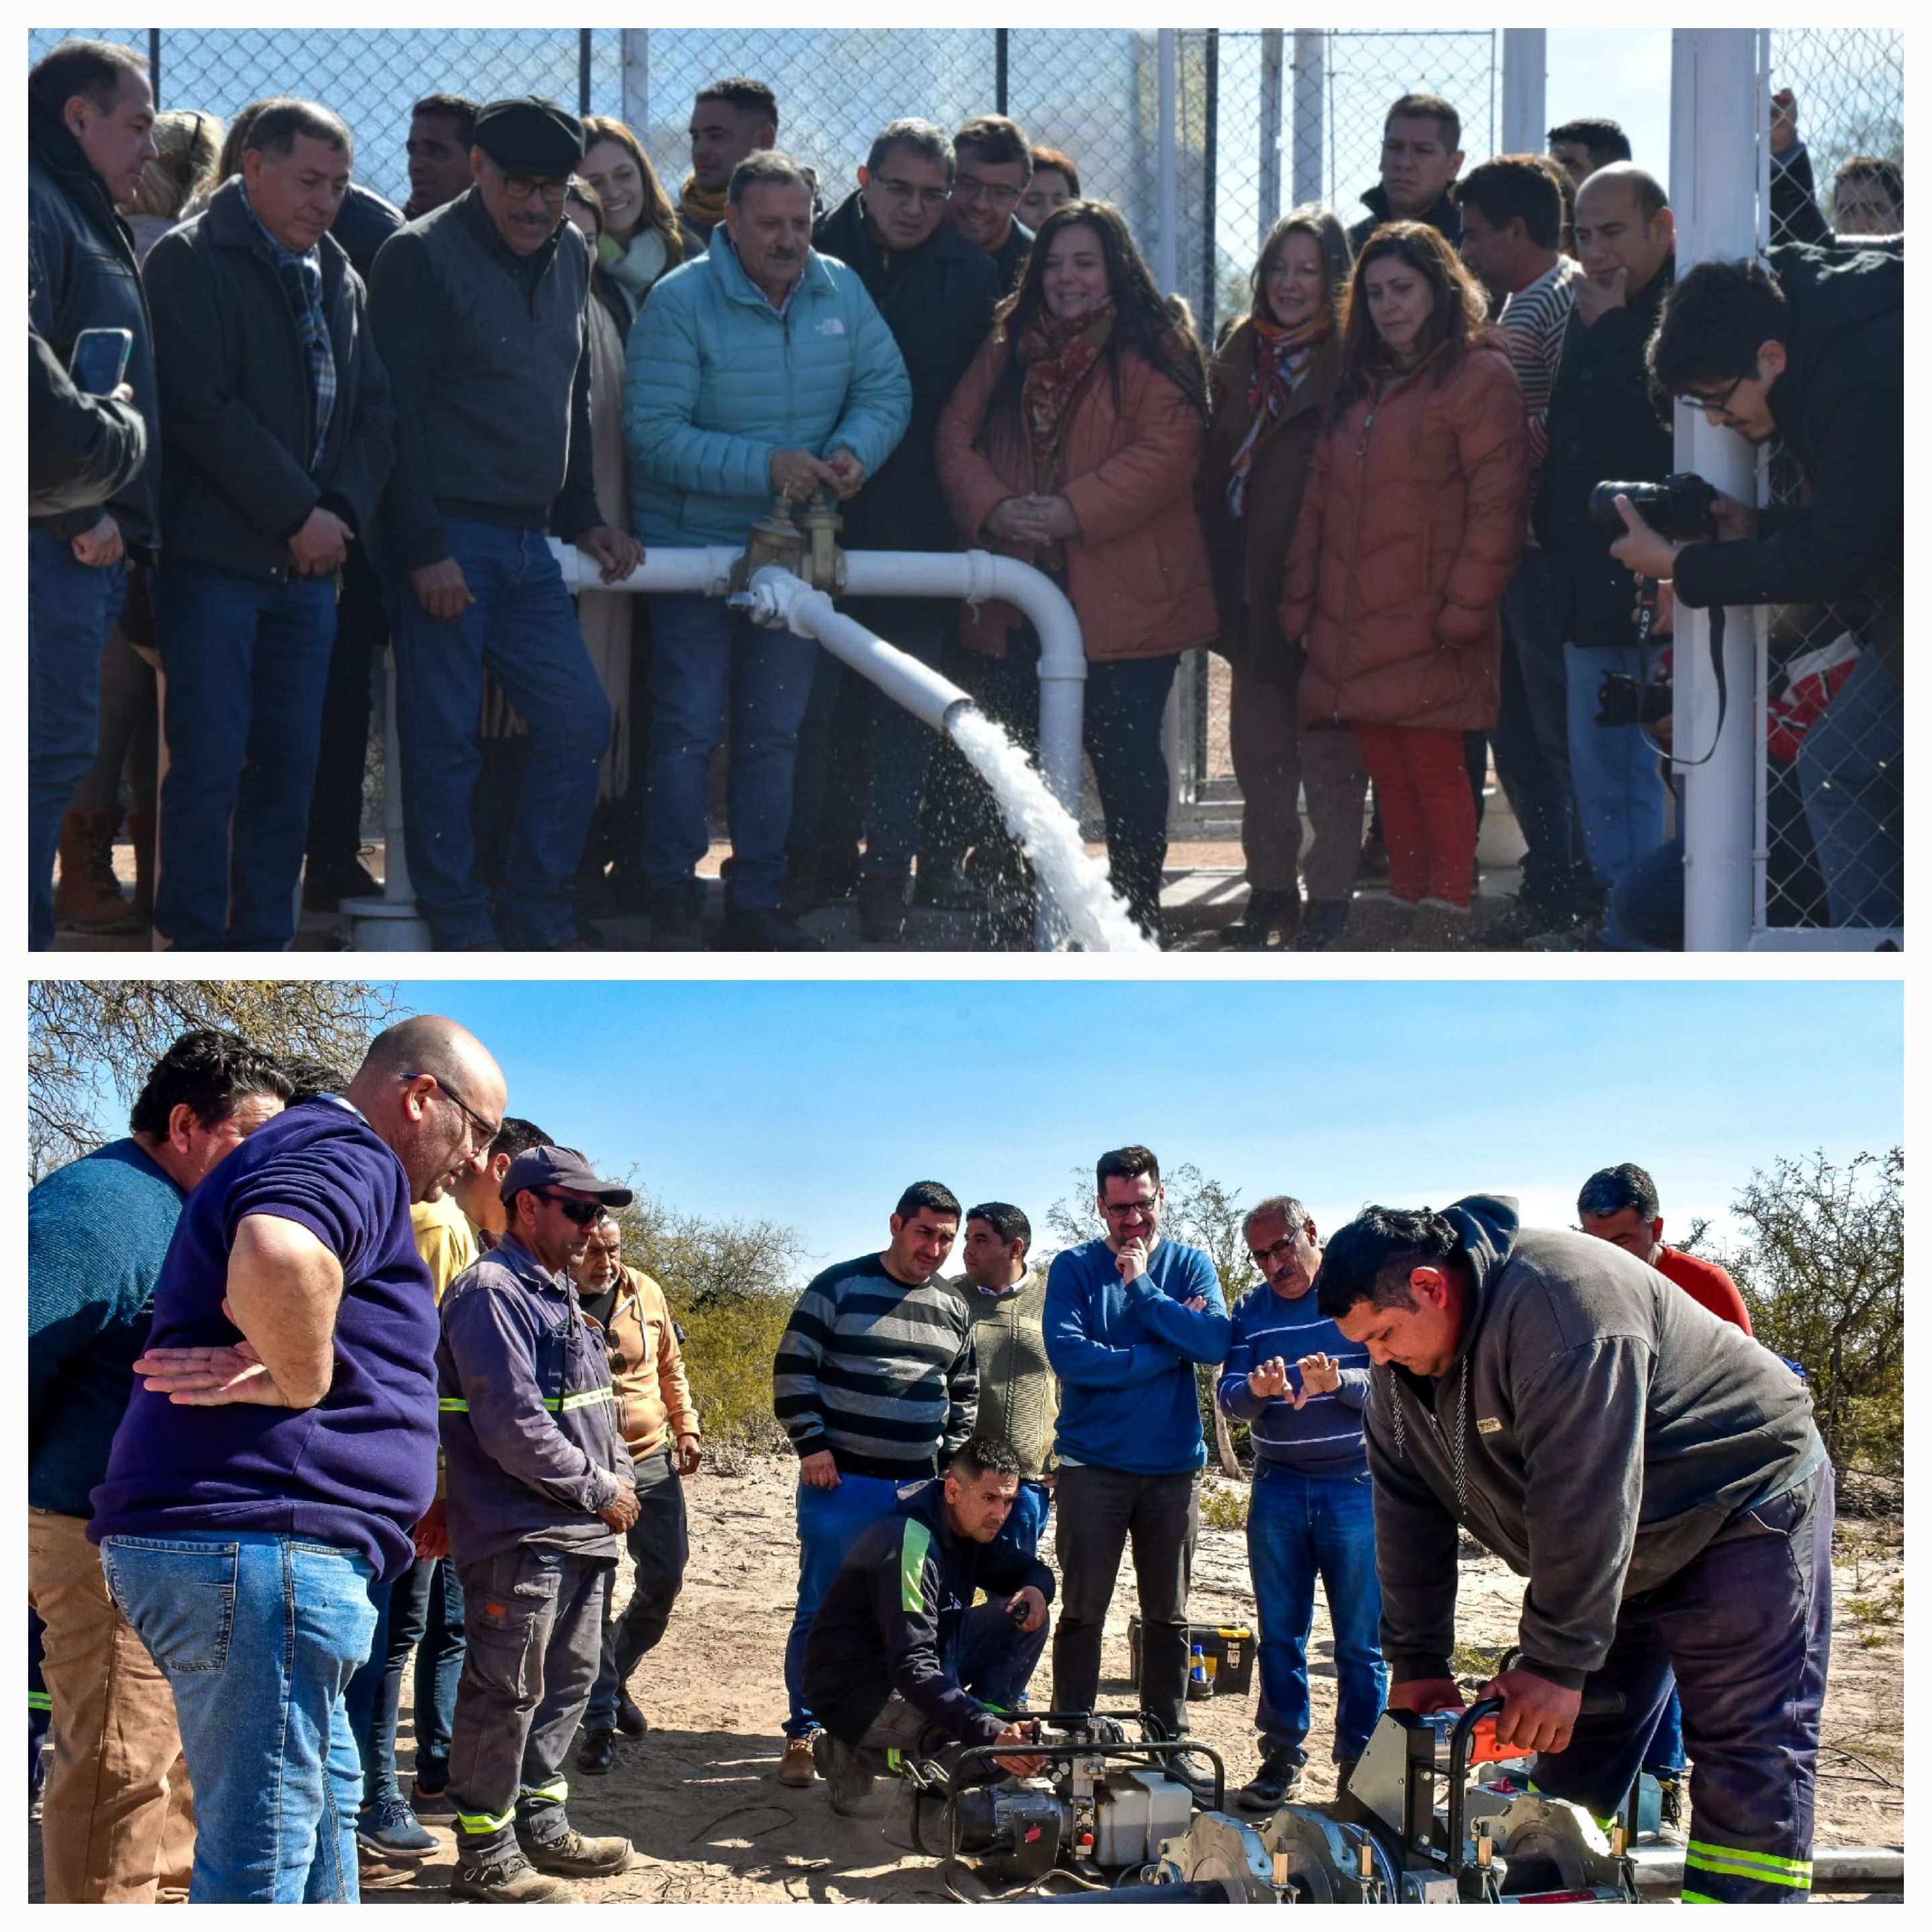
(357, 1471)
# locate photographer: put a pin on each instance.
(1602, 423)
(1813, 353)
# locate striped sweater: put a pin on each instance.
(1533, 322)
(1324, 1437)
(881, 1374)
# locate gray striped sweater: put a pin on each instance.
(881, 1374)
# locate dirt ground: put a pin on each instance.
(698, 1799)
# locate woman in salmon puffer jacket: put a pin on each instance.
(1411, 525)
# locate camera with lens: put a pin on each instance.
(1623, 699)
(1683, 507)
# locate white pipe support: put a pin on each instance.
(697, 573)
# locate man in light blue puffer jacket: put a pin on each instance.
(760, 367)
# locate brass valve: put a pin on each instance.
(800, 538)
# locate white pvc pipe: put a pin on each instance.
(1167, 240)
(1310, 167)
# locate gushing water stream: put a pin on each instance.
(1096, 919)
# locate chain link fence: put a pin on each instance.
(1850, 88)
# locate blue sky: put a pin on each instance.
(814, 1102)
(1624, 72)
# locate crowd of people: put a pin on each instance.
(1373, 494)
(329, 1373)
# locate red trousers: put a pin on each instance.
(1428, 816)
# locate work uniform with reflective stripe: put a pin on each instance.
(531, 1433)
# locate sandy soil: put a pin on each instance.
(698, 1799)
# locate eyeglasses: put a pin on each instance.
(970, 187)
(1716, 406)
(903, 191)
(522, 187)
(584, 1213)
(1116, 1211)
(485, 1133)
(1283, 1250)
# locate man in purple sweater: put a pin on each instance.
(1299, 1383)
(283, 1447)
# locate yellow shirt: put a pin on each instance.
(445, 1240)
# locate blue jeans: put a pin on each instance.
(258, 1635)
(1024, 1527)
(1645, 912)
(830, 1522)
(708, 660)
(246, 664)
(1664, 1755)
(1851, 767)
(1299, 1528)
(1532, 741)
(413, 1613)
(71, 609)
(895, 749)
(522, 625)
(1620, 788)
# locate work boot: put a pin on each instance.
(630, 1721)
(1278, 1782)
(597, 1753)
(1322, 924)
(88, 898)
(675, 911)
(1670, 1810)
(1195, 1772)
(882, 909)
(765, 929)
(847, 1781)
(796, 1768)
(507, 1878)
(571, 1855)
(1379, 922)
(1265, 914)
(1438, 927)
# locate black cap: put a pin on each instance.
(530, 136)
(561, 1167)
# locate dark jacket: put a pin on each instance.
(363, 223)
(1838, 408)
(891, 1620)
(235, 396)
(937, 301)
(488, 358)
(1249, 552)
(1605, 426)
(1610, 1428)
(82, 274)
(1009, 259)
(1445, 217)
(530, 1429)
(80, 448)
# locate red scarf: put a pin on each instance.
(1281, 360)
(1056, 356)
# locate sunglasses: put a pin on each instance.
(582, 1212)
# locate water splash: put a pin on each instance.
(1095, 919)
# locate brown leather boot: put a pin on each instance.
(141, 830)
(88, 898)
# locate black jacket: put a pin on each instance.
(1605, 427)
(937, 301)
(235, 396)
(891, 1620)
(82, 274)
(487, 353)
(1445, 217)
(1838, 408)
(1009, 259)
(363, 223)
(80, 448)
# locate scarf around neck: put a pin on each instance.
(1056, 356)
(1281, 357)
(634, 268)
(301, 279)
(705, 210)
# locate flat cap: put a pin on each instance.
(530, 136)
(561, 1167)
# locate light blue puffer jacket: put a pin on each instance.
(715, 381)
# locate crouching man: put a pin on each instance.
(1655, 1475)
(899, 1662)
(540, 1481)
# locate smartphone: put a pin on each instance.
(99, 363)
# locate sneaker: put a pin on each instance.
(388, 1829)
(1197, 1773)
(508, 1879)
(847, 1781)
(630, 1721)
(1278, 1782)
(765, 929)
(571, 1855)
(796, 1768)
(597, 1753)
(675, 912)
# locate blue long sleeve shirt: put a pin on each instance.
(1324, 1437)
(1125, 1356)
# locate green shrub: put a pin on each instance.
(1224, 1507)
(727, 1358)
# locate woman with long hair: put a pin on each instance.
(1072, 443)
(1411, 524)
(1270, 382)
(641, 239)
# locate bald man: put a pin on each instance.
(242, 1545)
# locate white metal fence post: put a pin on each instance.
(1311, 91)
(1524, 73)
(1718, 108)
(636, 66)
(1269, 134)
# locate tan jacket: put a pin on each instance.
(647, 1368)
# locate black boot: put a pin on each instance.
(1265, 914)
(1134, 869)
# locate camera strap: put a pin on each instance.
(1716, 625)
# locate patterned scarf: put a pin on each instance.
(1056, 356)
(705, 210)
(300, 278)
(1281, 361)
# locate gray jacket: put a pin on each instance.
(530, 1427)
(1597, 1430)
